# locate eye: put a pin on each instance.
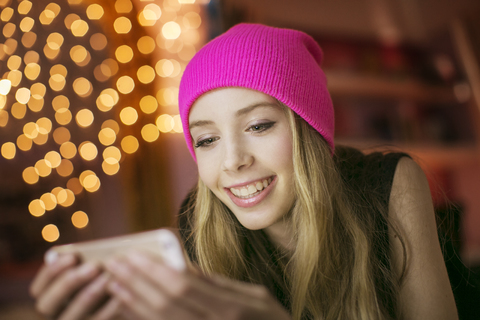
(260, 127)
(205, 142)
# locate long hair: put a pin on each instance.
(334, 271)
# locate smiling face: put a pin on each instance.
(243, 147)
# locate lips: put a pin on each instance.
(252, 193)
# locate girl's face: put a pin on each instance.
(243, 146)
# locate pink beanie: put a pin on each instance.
(282, 63)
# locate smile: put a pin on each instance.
(251, 193)
(251, 189)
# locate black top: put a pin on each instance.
(368, 176)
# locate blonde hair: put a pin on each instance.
(333, 272)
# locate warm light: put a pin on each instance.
(70, 19)
(60, 102)
(31, 57)
(107, 99)
(9, 30)
(58, 69)
(148, 104)
(38, 90)
(6, 14)
(88, 150)
(66, 198)
(61, 135)
(35, 105)
(23, 143)
(15, 77)
(110, 169)
(149, 15)
(57, 82)
(5, 86)
(68, 150)
(46, 17)
(164, 68)
(112, 124)
(171, 30)
(84, 118)
(3, 117)
(10, 45)
(78, 54)
(3, 102)
(168, 96)
(95, 12)
(125, 84)
(192, 20)
(41, 139)
(80, 219)
(8, 150)
(24, 7)
(79, 28)
(30, 130)
(124, 54)
(23, 95)
(107, 136)
(109, 67)
(98, 41)
(91, 183)
(82, 87)
(53, 7)
(128, 116)
(50, 233)
(26, 24)
(186, 1)
(53, 158)
(36, 208)
(75, 185)
(30, 175)
(55, 41)
(44, 125)
(178, 124)
(32, 70)
(49, 200)
(122, 25)
(63, 116)
(150, 132)
(129, 144)
(145, 74)
(123, 6)
(146, 45)
(50, 53)
(112, 155)
(187, 52)
(165, 123)
(43, 168)
(65, 168)
(14, 62)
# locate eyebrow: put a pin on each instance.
(239, 113)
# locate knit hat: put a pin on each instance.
(282, 63)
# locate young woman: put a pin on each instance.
(282, 225)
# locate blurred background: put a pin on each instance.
(91, 142)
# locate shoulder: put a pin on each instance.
(425, 290)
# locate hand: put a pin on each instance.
(66, 290)
(149, 289)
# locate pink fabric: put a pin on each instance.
(282, 63)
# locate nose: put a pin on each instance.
(236, 156)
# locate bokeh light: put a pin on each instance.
(50, 233)
(79, 219)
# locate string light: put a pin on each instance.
(44, 86)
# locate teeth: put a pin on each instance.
(251, 189)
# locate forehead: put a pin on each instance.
(226, 100)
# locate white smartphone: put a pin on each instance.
(162, 242)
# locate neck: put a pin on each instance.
(281, 235)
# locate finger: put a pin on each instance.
(108, 311)
(50, 302)
(49, 271)
(141, 293)
(86, 299)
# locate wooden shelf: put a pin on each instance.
(345, 84)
